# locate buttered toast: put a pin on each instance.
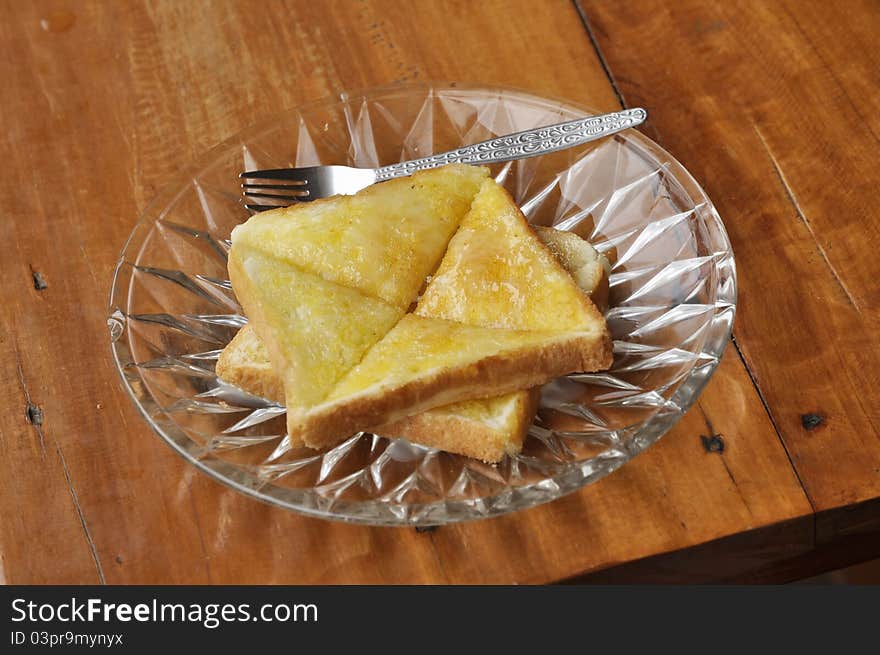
(428, 362)
(499, 315)
(498, 273)
(485, 429)
(332, 307)
(322, 282)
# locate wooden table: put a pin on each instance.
(774, 107)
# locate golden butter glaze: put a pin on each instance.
(314, 330)
(382, 241)
(497, 273)
(419, 345)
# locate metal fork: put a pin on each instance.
(284, 186)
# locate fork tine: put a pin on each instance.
(299, 195)
(291, 184)
(290, 174)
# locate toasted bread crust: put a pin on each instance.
(472, 438)
(328, 424)
(236, 368)
(253, 310)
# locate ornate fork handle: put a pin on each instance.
(523, 144)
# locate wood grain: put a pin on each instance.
(104, 103)
(674, 496)
(790, 90)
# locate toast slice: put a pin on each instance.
(498, 273)
(485, 429)
(482, 327)
(588, 268)
(382, 241)
(314, 330)
(425, 362)
(244, 362)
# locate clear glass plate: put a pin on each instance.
(672, 303)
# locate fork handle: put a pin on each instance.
(523, 144)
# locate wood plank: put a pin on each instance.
(105, 103)
(42, 484)
(674, 496)
(786, 94)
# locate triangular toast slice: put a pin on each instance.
(245, 363)
(314, 330)
(485, 429)
(382, 241)
(428, 362)
(495, 273)
(498, 273)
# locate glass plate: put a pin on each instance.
(672, 302)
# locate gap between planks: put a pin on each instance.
(602, 61)
(766, 407)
